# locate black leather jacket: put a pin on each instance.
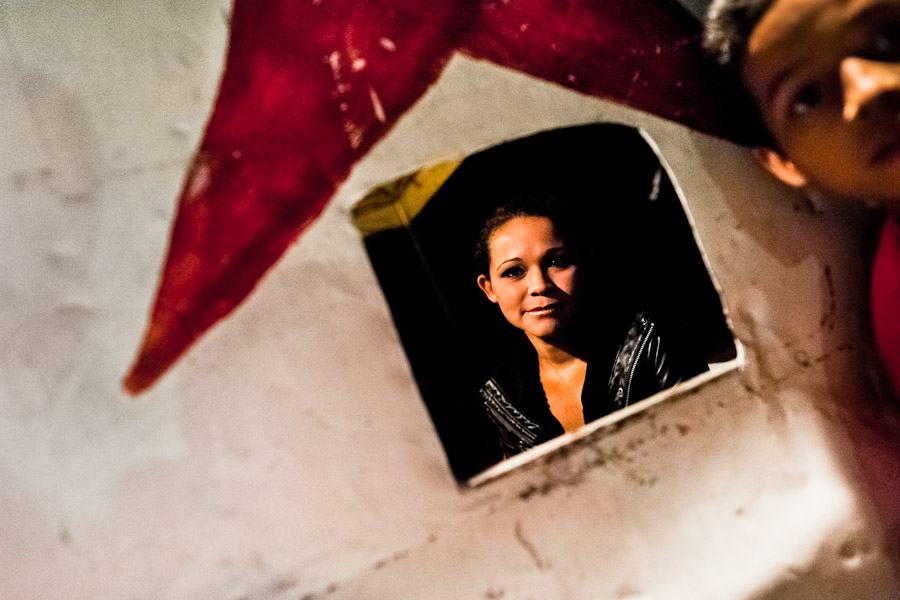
(648, 360)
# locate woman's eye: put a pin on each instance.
(805, 100)
(511, 272)
(561, 262)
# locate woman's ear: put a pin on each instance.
(485, 284)
(779, 166)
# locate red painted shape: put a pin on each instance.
(310, 85)
(885, 300)
(642, 53)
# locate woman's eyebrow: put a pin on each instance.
(508, 260)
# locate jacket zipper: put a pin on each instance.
(634, 362)
(506, 414)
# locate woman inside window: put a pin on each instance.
(574, 362)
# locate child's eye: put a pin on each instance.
(511, 272)
(886, 44)
(805, 100)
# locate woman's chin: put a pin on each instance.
(550, 333)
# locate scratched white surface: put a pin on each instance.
(288, 455)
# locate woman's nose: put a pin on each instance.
(865, 81)
(538, 282)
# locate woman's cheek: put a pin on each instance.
(569, 280)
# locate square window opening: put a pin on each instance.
(638, 313)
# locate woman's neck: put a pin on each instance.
(562, 373)
(556, 353)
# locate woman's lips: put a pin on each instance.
(540, 311)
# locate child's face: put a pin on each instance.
(826, 74)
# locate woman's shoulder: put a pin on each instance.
(654, 355)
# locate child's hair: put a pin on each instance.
(728, 25)
(526, 204)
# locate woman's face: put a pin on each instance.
(534, 277)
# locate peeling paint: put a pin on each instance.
(376, 105)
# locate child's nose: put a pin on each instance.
(865, 81)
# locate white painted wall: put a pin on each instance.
(289, 456)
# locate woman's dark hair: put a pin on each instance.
(530, 204)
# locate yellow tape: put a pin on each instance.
(395, 204)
